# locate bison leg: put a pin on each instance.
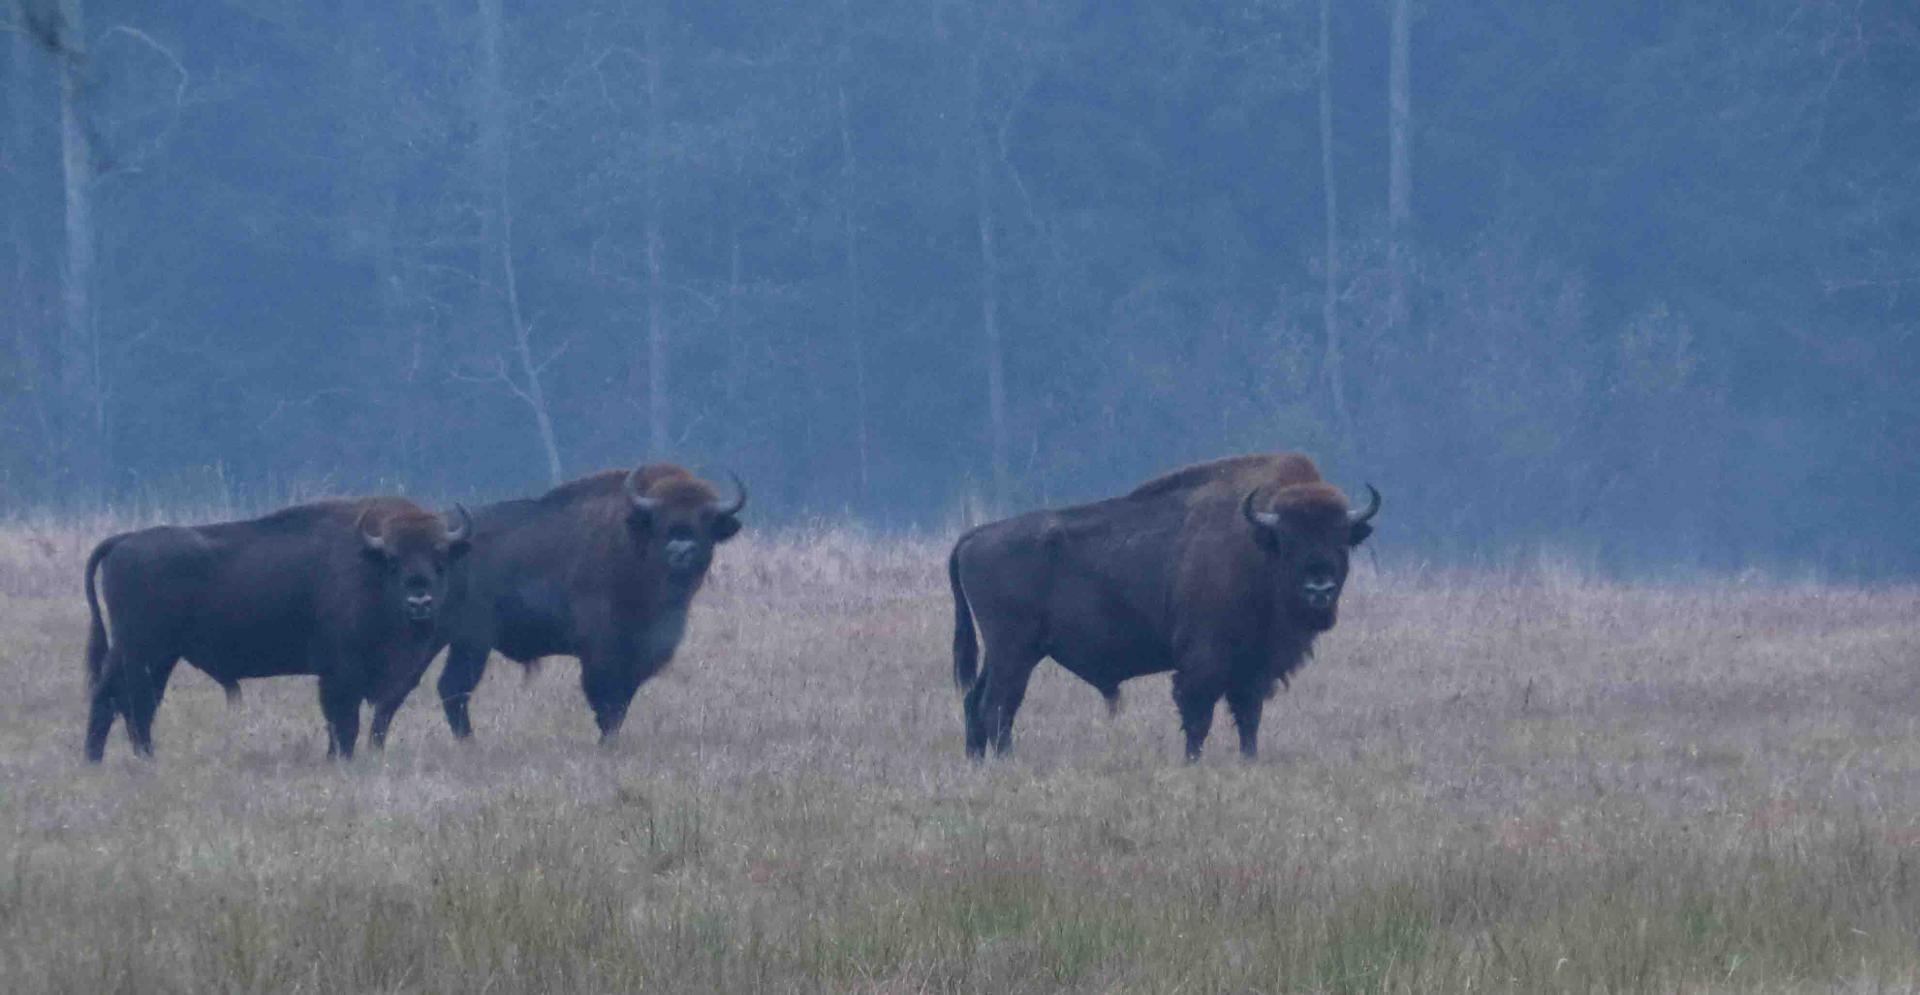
(975, 723)
(399, 680)
(466, 664)
(141, 688)
(1246, 700)
(383, 711)
(102, 708)
(609, 691)
(1196, 698)
(1009, 668)
(340, 704)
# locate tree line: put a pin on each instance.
(1636, 282)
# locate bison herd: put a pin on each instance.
(1222, 572)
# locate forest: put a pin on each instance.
(1637, 283)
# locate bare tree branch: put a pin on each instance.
(137, 161)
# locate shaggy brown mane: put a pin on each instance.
(591, 485)
(1266, 467)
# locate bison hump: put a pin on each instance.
(1255, 469)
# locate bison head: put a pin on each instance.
(414, 552)
(678, 520)
(1306, 531)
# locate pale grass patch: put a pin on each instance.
(1527, 780)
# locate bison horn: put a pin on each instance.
(1373, 508)
(632, 487)
(1260, 519)
(739, 498)
(460, 532)
(374, 541)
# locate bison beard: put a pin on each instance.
(602, 568)
(345, 590)
(1221, 572)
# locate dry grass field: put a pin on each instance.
(1524, 782)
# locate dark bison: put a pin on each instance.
(1221, 572)
(602, 568)
(348, 590)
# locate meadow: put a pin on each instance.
(1516, 780)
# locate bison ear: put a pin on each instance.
(1358, 532)
(724, 527)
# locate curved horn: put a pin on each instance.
(632, 487)
(459, 533)
(1260, 519)
(739, 499)
(1373, 508)
(374, 542)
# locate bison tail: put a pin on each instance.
(96, 629)
(966, 648)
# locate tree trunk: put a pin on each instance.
(1399, 159)
(492, 119)
(1330, 294)
(659, 438)
(83, 418)
(378, 211)
(990, 318)
(730, 381)
(498, 231)
(849, 247)
(26, 303)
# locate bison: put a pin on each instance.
(602, 568)
(348, 590)
(1222, 572)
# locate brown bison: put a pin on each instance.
(348, 590)
(1221, 572)
(602, 568)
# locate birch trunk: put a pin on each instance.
(83, 416)
(659, 411)
(25, 304)
(1399, 158)
(1330, 293)
(990, 320)
(496, 167)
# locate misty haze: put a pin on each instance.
(1600, 321)
(1636, 285)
